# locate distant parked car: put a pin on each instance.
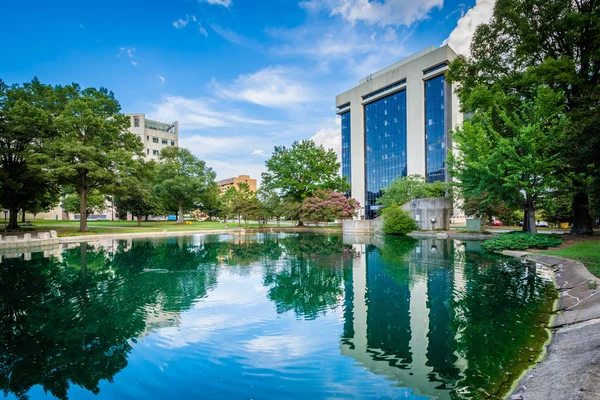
(542, 224)
(521, 223)
(497, 223)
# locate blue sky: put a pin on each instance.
(240, 76)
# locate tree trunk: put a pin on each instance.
(146, 219)
(525, 220)
(531, 228)
(83, 210)
(13, 221)
(180, 214)
(582, 222)
(490, 219)
(300, 223)
(139, 220)
(23, 216)
(278, 222)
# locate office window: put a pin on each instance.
(147, 138)
(172, 143)
(147, 151)
(152, 125)
(375, 93)
(385, 146)
(346, 158)
(155, 152)
(154, 140)
(435, 129)
(136, 122)
(165, 141)
(436, 68)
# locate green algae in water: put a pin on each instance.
(270, 316)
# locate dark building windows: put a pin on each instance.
(435, 129)
(136, 122)
(346, 157)
(385, 146)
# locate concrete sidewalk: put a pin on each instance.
(571, 367)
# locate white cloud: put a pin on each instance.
(162, 79)
(330, 138)
(382, 13)
(134, 63)
(217, 145)
(358, 51)
(126, 51)
(203, 31)
(224, 3)
(198, 113)
(258, 153)
(235, 38)
(182, 23)
(81, 26)
(269, 87)
(280, 347)
(460, 37)
(226, 169)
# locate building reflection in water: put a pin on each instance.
(398, 315)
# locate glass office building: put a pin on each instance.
(435, 129)
(385, 146)
(346, 165)
(395, 123)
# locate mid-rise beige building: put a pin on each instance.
(154, 134)
(225, 184)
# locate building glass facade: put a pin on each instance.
(346, 158)
(385, 146)
(435, 129)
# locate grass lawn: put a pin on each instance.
(586, 251)
(70, 228)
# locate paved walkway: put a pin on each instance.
(571, 367)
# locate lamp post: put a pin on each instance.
(5, 225)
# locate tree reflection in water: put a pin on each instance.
(427, 313)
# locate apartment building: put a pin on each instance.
(225, 184)
(154, 134)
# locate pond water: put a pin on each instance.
(269, 316)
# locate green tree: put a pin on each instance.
(95, 203)
(93, 144)
(299, 171)
(521, 162)
(26, 126)
(532, 42)
(136, 190)
(272, 203)
(184, 179)
(404, 189)
(227, 203)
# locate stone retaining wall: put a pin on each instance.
(29, 240)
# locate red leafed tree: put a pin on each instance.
(326, 205)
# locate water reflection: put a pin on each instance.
(294, 315)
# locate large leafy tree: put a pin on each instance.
(93, 144)
(26, 125)
(299, 171)
(184, 180)
(533, 42)
(95, 202)
(518, 164)
(135, 190)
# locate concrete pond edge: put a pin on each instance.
(569, 366)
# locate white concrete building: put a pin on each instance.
(155, 135)
(396, 122)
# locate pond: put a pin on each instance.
(269, 316)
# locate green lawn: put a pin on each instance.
(70, 228)
(588, 252)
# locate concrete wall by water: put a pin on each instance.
(423, 210)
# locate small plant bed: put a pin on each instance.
(521, 241)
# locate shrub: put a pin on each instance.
(397, 221)
(521, 241)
